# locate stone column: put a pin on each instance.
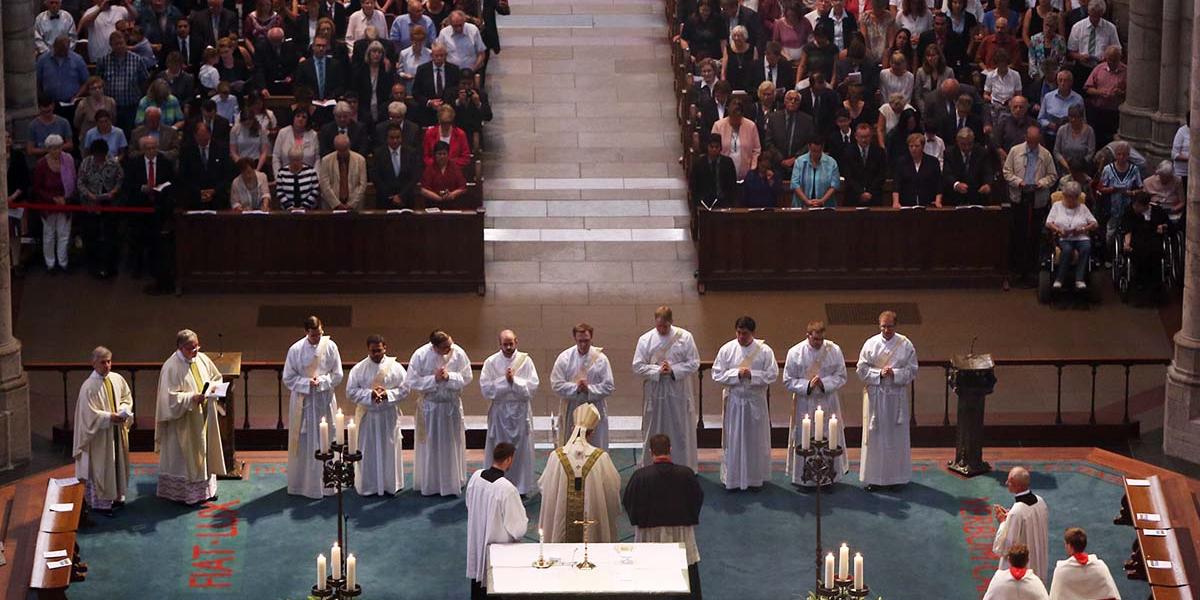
(14, 386)
(19, 69)
(1168, 117)
(1181, 419)
(1141, 99)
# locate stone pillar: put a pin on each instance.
(20, 79)
(1141, 99)
(1168, 117)
(1181, 419)
(14, 386)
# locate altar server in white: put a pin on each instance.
(814, 372)
(509, 380)
(495, 515)
(312, 372)
(579, 483)
(1026, 523)
(376, 386)
(887, 365)
(666, 359)
(744, 368)
(1016, 582)
(186, 435)
(103, 414)
(582, 375)
(1081, 576)
(438, 372)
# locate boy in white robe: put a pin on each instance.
(1026, 523)
(312, 372)
(814, 372)
(1016, 582)
(495, 515)
(666, 359)
(439, 371)
(1081, 576)
(887, 365)
(580, 482)
(186, 435)
(103, 414)
(582, 375)
(745, 368)
(376, 386)
(508, 381)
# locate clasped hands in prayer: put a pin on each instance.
(378, 394)
(441, 375)
(665, 369)
(999, 512)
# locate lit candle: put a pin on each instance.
(335, 556)
(339, 425)
(352, 433)
(541, 542)
(324, 435)
(843, 562)
(858, 571)
(352, 572)
(805, 432)
(321, 572)
(829, 571)
(833, 431)
(819, 434)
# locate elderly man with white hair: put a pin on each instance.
(463, 42)
(1166, 190)
(1090, 37)
(103, 414)
(1026, 523)
(343, 176)
(1104, 91)
(398, 115)
(168, 137)
(186, 435)
(344, 123)
(367, 16)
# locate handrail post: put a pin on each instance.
(66, 402)
(946, 410)
(245, 376)
(1058, 420)
(133, 404)
(1125, 418)
(1092, 411)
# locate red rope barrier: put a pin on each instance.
(83, 208)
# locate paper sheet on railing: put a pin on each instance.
(1138, 482)
(66, 562)
(65, 481)
(62, 507)
(1155, 532)
(1152, 517)
(54, 554)
(1158, 564)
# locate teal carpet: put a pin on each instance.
(930, 540)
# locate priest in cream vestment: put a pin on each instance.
(186, 435)
(582, 375)
(814, 372)
(1026, 523)
(580, 483)
(666, 360)
(508, 381)
(103, 414)
(439, 371)
(376, 386)
(745, 368)
(312, 372)
(887, 364)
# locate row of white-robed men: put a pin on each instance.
(666, 358)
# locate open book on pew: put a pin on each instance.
(201, 212)
(912, 207)
(401, 211)
(256, 212)
(969, 206)
(324, 103)
(162, 186)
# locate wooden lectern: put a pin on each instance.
(229, 364)
(972, 376)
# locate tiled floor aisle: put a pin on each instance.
(584, 194)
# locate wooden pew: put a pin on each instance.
(57, 531)
(1164, 553)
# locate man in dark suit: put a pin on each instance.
(323, 73)
(918, 176)
(489, 31)
(949, 125)
(864, 167)
(774, 68)
(189, 46)
(842, 136)
(953, 47)
(395, 170)
(341, 17)
(789, 130)
(151, 244)
(410, 133)
(209, 172)
(821, 103)
(300, 28)
(941, 102)
(713, 180)
(435, 83)
(967, 175)
(275, 61)
(157, 20)
(714, 109)
(213, 23)
(735, 14)
(344, 123)
(218, 126)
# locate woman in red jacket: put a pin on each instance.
(445, 131)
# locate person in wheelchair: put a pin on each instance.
(1071, 223)
(1143, 226)
(1166, 191)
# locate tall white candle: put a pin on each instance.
(805, 432)
(829, 571)
(324, 435)
(339, 425)
(352, 433)
(351, 572)
(819, 417)
(541, 543)
(335, 556)
(321, 572)
(858, 571)
(844, 562)
(833, 431)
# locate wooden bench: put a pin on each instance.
(57, 531)
(1164, 554)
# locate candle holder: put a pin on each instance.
(819, 461)
(350, 593)
(319, 593)
(843, 589)
(338, 474)
(586, 565)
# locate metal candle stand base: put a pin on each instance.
(542, 563)
(338, 474)
(819, 465)
(843, 589)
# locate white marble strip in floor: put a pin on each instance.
(586, 208)
(588, 183)
(586, 235)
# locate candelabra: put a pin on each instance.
(819, 468)
(338, 474)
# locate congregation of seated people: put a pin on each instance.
(909, 103)
(250, 106)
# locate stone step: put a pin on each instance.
(541, 251)
(587, 208)
(664, 222)
(586, 235)
(587, 183)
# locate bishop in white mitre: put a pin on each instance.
(666, 359)
(312, 372)
(580, 483)
(1026, 523)
(813, 372)
(495, 514)
(186, 434)
(887, 365)
(376, 386)
(1081, 576)
(582, 375)
(745, 368)
(1017, 581)
(438, 372)
(508, 381)
(103, 414)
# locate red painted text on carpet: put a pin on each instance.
(213, 557)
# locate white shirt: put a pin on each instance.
(103, 27)
(463, 48)
(356, 27)
(1066, 219)
(1106, 35)
(1003, 87)
(46, 30)
(409, 60)
(1181, 146)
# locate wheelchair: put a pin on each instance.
(1173, 252)
(1170, 265)
(1052, 256)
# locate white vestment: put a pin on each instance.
(101, 447)
(1006, 587)
(1074, 580)
(510, 418)
(803, 363)
(440, 463)
(495, 515)
(886, 448)
(667, 402)
(746, 426)
(1027, 525)
(601, 494)
(381, 470)
(569, 368)
(186, 434)
(309, 404)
